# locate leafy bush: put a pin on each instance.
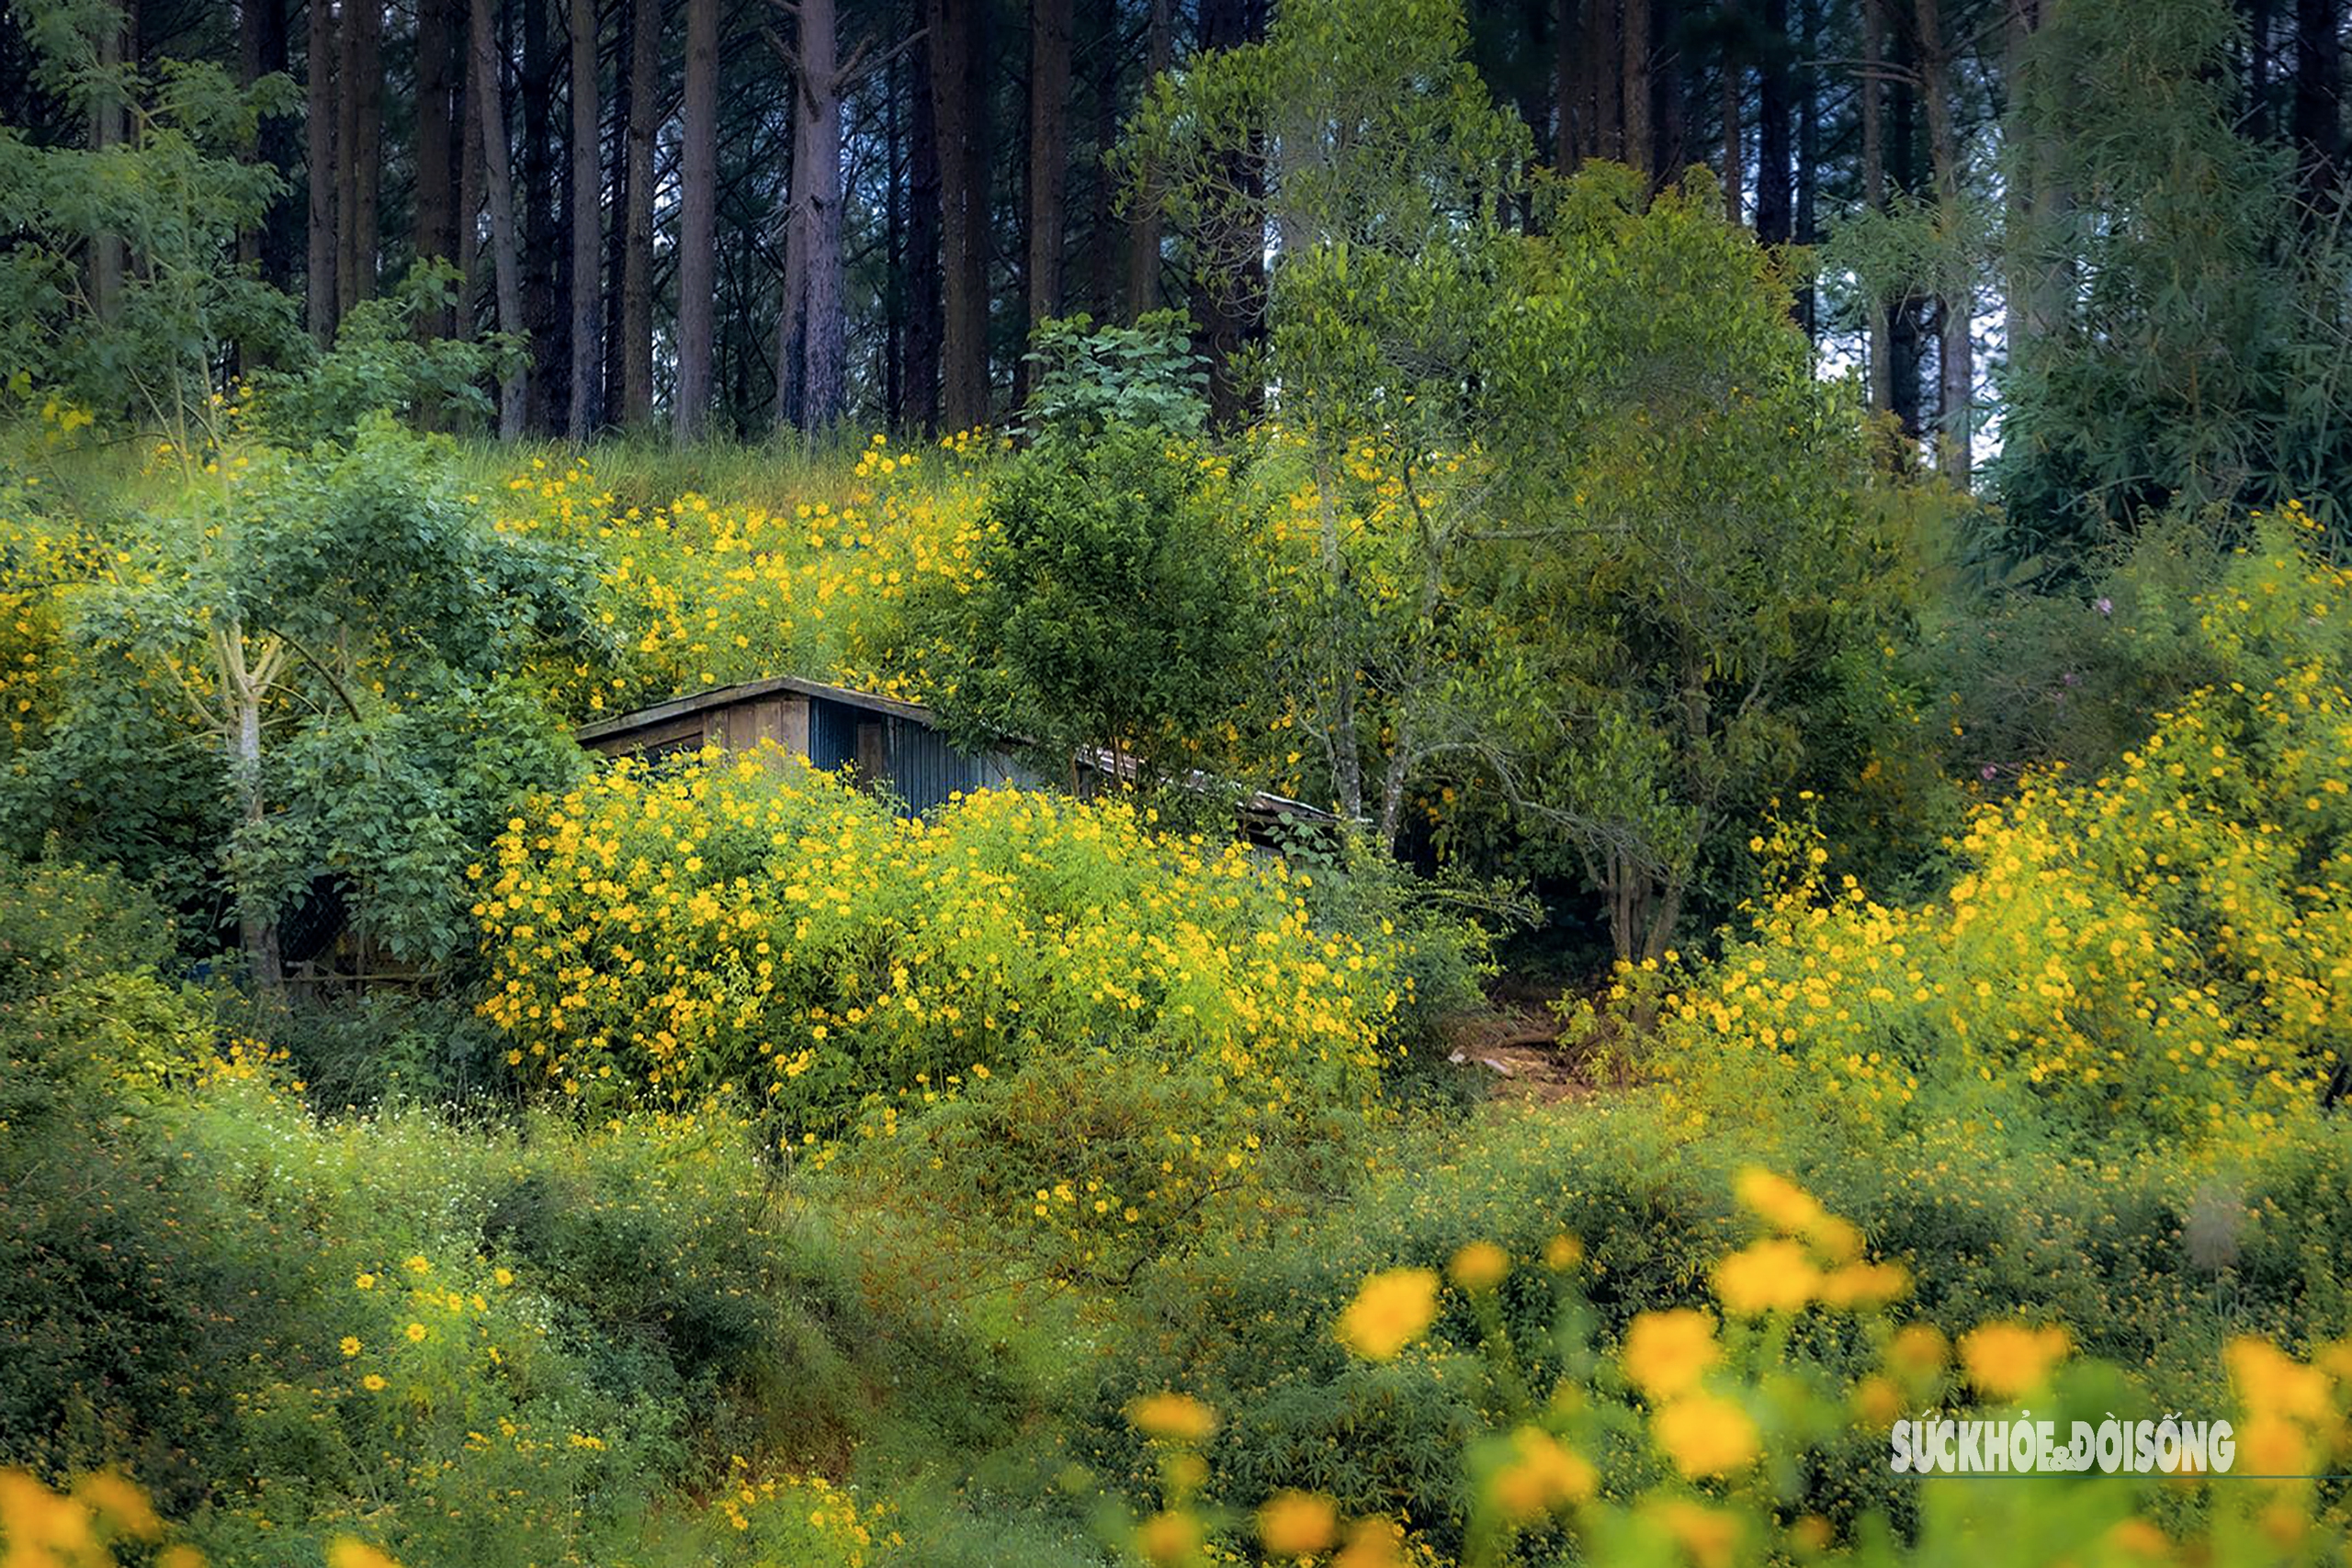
(1100, 614)
(380, 365)
(1718, 1433)
(1092, 381)
(2153, 1264)
(749, 928)
(2157, 952)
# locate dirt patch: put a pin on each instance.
(1516, 1046)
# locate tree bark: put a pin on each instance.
(1669, 132)
(1049, 110)
(1774, 211)
(587, 228)
(919, 380)
(1567, 145)
(2319, 98)
(959, 108)
(319, 124)
(471, 175)
(637, 263)
(438, 139)
(1638, 149)
(1956, 381)
(811, 333)
(547, 278)
(1604, 81)
(1105, 259)
(498, 193)
(1735, 148)
(1228, 268)
(1144, 232)
(1808, 91)
(1881, 348)
(359, 153)
(263, 53)
(697, 221)
(612, 315)
(109, 126)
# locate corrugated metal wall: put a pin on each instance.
(832, 734)
(918, 765)
(924, 770)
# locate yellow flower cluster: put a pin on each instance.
(1730, 1414)
(696, 593)
(80, 1527)
(804, 1518)
(38, 563)
(2166, 947)
(745, 927)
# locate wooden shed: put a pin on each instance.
(889, 743)
(885, 742)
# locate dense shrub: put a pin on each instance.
(1126, 1020)
(2152, 1263)
(2155, 953)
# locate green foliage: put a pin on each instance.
(380, 365)
(328, 642)
(1702, 612)
(2152, 1262)
(1354, 125)
(2150, 956)
(1111, 1029)
(1102, 615)
(2178, 328)
(1092, 381)
(2025, 679)
(474, 1345)
(176, 194)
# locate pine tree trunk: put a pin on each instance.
(109, 126)
(359, 158)
(470, 174)
(1604, 81)
(1808, 89)
(810, 331)
(1638, 149)
(498, 193)
(637, 262)
(2319, 98)
(263, 51)
(1144, 230)
(438, 139)
(1049, 110)
(1103, 258)
(1956, 381)
(894, 252)
(1228, 268)
(318, 123)
(959, 108)
(587, 228)
(1668, 150)
(697, 221)
(1881, 348)
(1907, 169)
(1735, 148)
(610, 391)
(1566, 143)
(1774, 215)
(919, 380)
(547, 276)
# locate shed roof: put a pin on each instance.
(1259, 803)
(746, 691)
